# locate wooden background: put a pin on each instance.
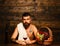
(44, 13)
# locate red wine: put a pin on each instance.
(24, 38)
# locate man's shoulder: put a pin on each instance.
(32, 25)
(34, 28)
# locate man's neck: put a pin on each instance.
(28, 27)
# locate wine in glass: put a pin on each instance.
(24, 38)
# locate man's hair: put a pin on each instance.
(26, 14)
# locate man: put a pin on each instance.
(25, 30)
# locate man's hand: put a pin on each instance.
(30, 41)
(21, 42)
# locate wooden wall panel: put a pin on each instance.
(44, 13)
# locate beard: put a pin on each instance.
(26, 25)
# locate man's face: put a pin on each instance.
(26, 21)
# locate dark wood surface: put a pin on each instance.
(13, 44)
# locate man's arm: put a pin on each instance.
(14, 35)
(35, 30)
